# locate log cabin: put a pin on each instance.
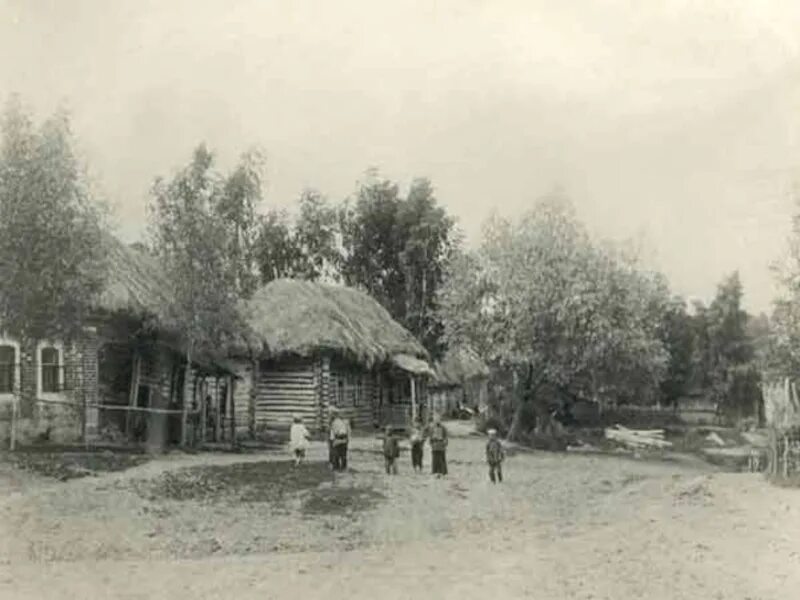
(124, 360)
(312, 346)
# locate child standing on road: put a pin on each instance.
(298, 439)
(391, 450)
(417, 442)
(438, 442)
(494, 456)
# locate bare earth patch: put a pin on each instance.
(561, 526)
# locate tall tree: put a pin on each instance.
(276, 252)
(783, 352)
(677, 335)
(396, 248)
(51, 261)
(237, 206)
(539, 298)
(306, 249)
(192, 241)
(316, 237)
(733, 376)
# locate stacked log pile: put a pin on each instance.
(637, 438)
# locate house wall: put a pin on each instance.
(283, 388)
(57, 416)
(242, 398)
(270, 392)
(352, 391)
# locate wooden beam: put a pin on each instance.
(133, 392)
(413, 399)
(203, 410)
(251, 417)
(232, 407)
(188, 395)
(217, 424)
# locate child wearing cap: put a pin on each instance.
(494, 456)
(298, 439)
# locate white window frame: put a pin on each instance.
(60, 349)
(9, 396)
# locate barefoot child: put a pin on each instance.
(298, 439)
(391, 450)
(417, 440)
(494, 456)
(438, 441)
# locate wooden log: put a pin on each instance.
(217, 423)
(232, 408)
(629, 439)
(133, 392)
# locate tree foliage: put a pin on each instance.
(397, 248)
(238, 206)
(540, 298)
(783, 353)
(191, 224)
(306, 249)
(51, 259)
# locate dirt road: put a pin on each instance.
(561, 526)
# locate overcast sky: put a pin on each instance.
(674, 122)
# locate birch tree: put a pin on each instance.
(51, 258)
(192, 242)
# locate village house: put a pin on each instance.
(461, 381)
(123, 378)
(312, 346)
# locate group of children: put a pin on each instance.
(436, 435)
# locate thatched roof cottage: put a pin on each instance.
(125, 359)
(312, 346)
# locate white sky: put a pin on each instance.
(675, 122)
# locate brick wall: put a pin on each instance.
(62, 419)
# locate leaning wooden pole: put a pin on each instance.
(232, 411)
(413, 399)
(187, 380)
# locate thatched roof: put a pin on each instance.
(289, 316)
(134, 282)
(460, 365)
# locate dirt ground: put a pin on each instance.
(251, 526)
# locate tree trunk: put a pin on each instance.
(524, 396)
(515, 430)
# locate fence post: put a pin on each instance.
(13, 422)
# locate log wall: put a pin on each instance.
(285, 388)
(352, 391)
(242, 398)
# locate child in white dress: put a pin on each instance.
(298, 439)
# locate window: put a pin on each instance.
(50, 368)
(8, 368)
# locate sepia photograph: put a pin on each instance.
(397, 299)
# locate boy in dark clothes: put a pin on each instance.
(438, 442)
(391, 450)
(494, 456)
(417, 442)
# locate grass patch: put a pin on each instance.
(268, 481)
(65, 465)
(341, 501)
